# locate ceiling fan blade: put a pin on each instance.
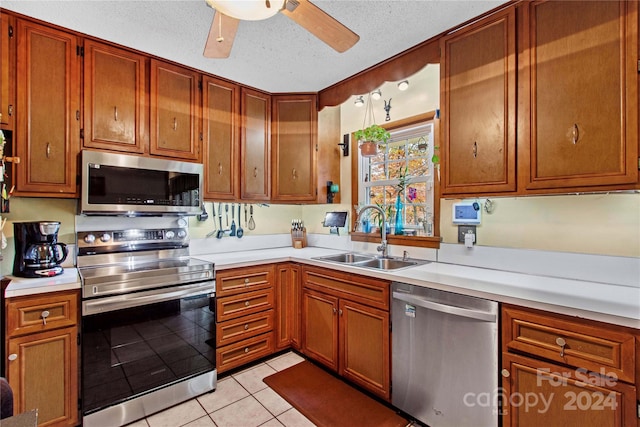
(320, 24)
(221, 34)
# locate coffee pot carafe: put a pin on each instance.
(38, 253)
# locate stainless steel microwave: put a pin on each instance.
(120, 184)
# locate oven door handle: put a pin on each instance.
(135, 299)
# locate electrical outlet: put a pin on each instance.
(464, 229)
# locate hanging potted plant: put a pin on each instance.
(369, 139)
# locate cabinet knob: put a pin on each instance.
(562, 343)
(340, 312)
(246, 326)
(246, 303)
(12, 357)
(44, 316)
(246, 349)
(334, 310)
(505, 373)
(246, 281)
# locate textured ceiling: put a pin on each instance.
(275, 55)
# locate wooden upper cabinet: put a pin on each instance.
(48, 123)
(175, 111)
(255, 140)
(583, 82)
(294, 142)
(478, 89)
(221, 138)
(115, 107)
(7, 71)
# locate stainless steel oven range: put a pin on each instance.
(148, 323)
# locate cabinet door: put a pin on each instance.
(584, 93)
(294, 142)
(320, 328)
(288, 306)
(365, 347)
(255, 145)
(175, 104)
(7, 71)
(221, 133)
(44, 375)
(115, 110)
(540, 394)
(48, 89)
(478, 87)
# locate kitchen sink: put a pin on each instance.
(348, 258)
(370, 261)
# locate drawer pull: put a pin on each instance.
(246, 303)
(44, 316)
(246, 281)
(246, 349)
(246, 326)
(562, 343)
(12, 357)
(505, 373)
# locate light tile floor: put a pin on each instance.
(240, 400)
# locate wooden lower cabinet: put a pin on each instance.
(288, 306)
(349, 337)
(42, 366)
(561, 371)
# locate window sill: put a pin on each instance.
(392, 239)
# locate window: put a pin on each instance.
(408, 152)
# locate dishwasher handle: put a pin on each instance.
(444, 308)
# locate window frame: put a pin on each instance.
(420, 241)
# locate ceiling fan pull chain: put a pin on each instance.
(220, 39)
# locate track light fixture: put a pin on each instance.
(359, 102)
(403, 85)
(376, 94)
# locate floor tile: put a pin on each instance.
(251, 379)
(178, 415)
(227, 391)
(285, 361)
(293, 418)
(247, 412)
(272, 401)
(201, 422)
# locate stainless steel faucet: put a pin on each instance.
(383, 244)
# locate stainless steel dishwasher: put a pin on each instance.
(444, 357)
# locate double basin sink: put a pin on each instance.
(370, 261)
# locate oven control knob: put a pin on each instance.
(182, 234)
(89, 238)
(170, 234)
(105, 237)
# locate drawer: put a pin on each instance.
(245, 351)
(599, 348)
(362, 289)
(244, 327)
(246, 303)
(30, 314)
(231, 282)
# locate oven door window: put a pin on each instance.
(132, 351)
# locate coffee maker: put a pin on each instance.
(38, 253)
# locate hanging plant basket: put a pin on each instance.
(368, 149)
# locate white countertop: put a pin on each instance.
(603, 302)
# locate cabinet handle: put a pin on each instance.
(505, 373)
(246, 349)
(562, 343)
(255, 172)
(219, 168)
(334, 310)
(115, 113)
(246, 281)
(246, 303)
(12, 357)
(246, 326)
(175, 123)
(48, 150)
(294, 173)
(340, 312)
(576, 134)
(10, 110)
(475, 149)
(44, 316)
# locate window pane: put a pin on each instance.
(376, 172)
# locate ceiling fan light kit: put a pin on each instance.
(247, 10)
(403, 85)
(376, 94)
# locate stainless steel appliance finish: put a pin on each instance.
(120, 184)
(148, 323)
(445, 357)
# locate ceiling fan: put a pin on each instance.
(229, 13)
